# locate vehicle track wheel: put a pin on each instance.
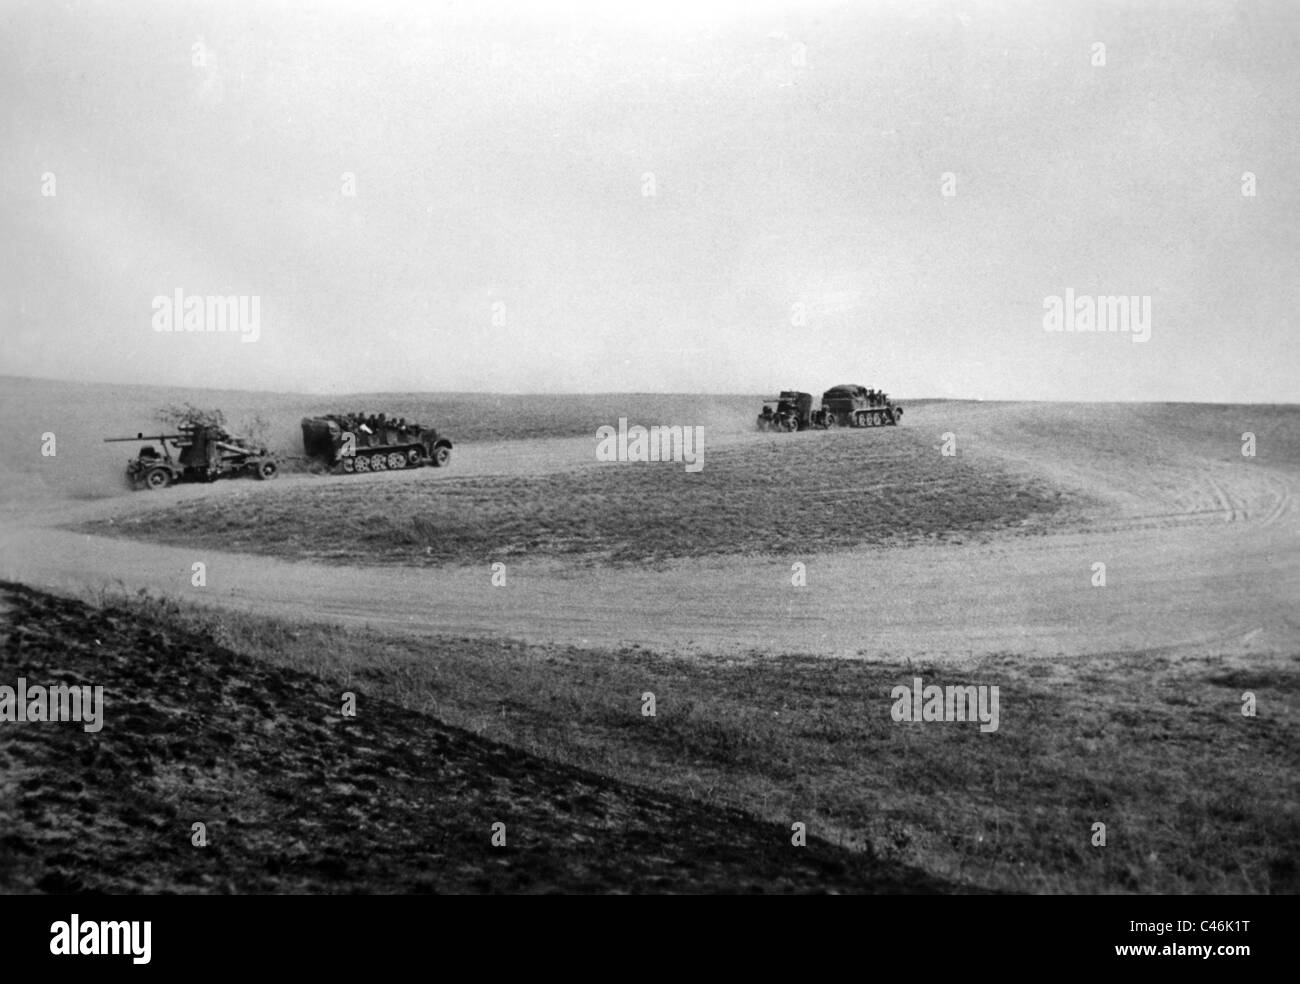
(379, 462)
(413, 457)
(363, 462)
(349, 464)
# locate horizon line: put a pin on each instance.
(562, 393)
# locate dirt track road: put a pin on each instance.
(1201, 550)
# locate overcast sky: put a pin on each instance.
(675, 196)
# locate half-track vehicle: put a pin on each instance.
(850, 405)
(354, 442)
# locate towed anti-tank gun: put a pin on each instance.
(195, 453)
(792, 411)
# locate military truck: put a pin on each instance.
(791, 411)
(357, 442)
(850, 405)
(203, 453)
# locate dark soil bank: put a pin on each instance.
(297, 797)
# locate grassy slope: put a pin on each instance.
(1196, 797)
(298, 798)
(799, 492)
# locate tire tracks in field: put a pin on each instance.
(1175, 577)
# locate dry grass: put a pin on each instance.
(1196, 797)
(298, 797)
(802, 492)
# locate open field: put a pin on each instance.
(296, 797)
(778, 494)
(1198, 540)
(1196, 797)
(1121, 701)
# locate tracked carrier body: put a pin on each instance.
(356, 443)
(857, 406)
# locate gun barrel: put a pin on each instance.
(144, 437)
